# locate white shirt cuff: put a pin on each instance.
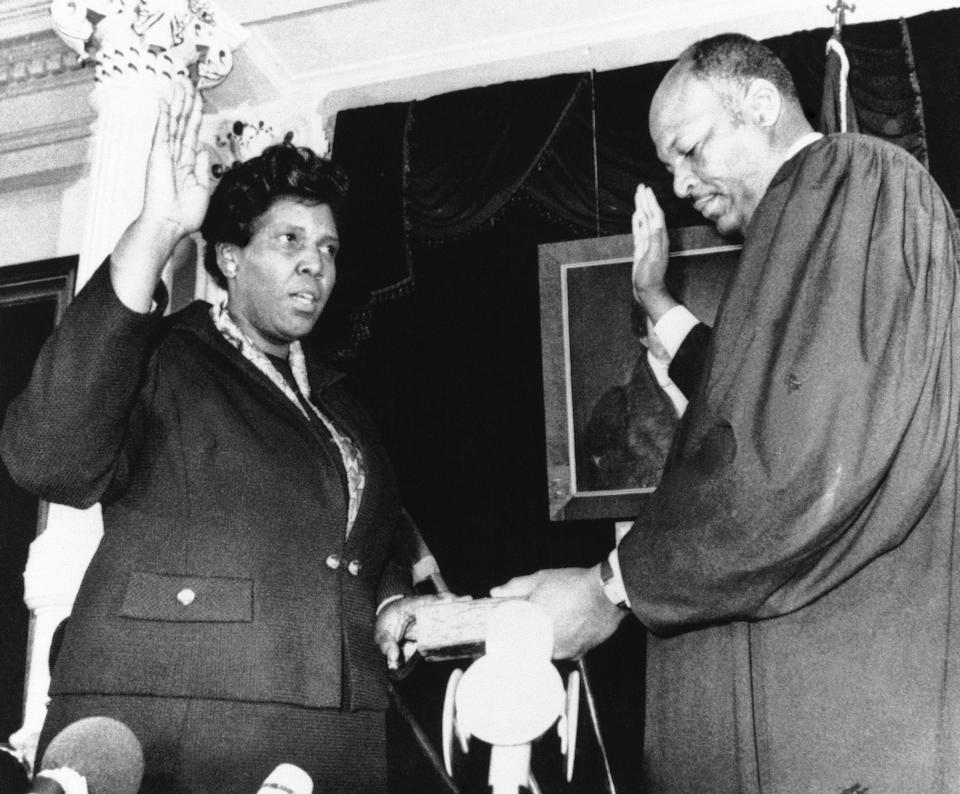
(614, 589)
(69, 780)
(388, 600)
(672, 328)
(661, 371)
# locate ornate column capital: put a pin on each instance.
(135, 40)
(239, 133)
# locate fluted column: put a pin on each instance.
(140, 50)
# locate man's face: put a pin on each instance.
(719, 159)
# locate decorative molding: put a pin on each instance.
(239, 133)
(140, 40)
(22, 17)
(39, 61)
(45, 119)
(245, 11)
(46, 135)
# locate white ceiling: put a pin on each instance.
(321, 56)
(361, 52)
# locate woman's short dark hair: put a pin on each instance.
(248, 189)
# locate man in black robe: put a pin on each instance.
(797, 564)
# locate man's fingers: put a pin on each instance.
(391, 650)
(518, 587)
(409, 649)
(636, 223)
(652, 213)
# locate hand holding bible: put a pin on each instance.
(581, 614)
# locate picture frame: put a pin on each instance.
(592, 366)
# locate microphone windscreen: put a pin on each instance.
(46, 785)
(13, 773)
(104, 750)
(287, 779)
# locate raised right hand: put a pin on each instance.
(650, 255)
(178, 176)
(175, 200)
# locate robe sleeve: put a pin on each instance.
(689, 360)
(828, 411)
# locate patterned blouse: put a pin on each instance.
(352, 459)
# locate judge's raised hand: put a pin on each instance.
(650, 252)
(582, 616)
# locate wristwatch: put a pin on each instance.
(612, 589)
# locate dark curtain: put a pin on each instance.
(934, 39)
(884, 85)
(469, 152)
(450, 198)
(574, 148)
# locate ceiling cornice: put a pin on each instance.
(322, 56)
(37, 61)
(367, 52)
(46, 135)
(23, 17)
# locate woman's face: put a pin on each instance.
(278, 284)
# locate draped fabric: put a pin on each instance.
(375, 264)
(837, 112)
(469, 152)
(884, 86)
(572, 147)
(933, 40)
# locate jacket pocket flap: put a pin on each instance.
(154, 596)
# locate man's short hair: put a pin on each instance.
(733, 57)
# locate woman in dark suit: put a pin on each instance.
(229, 614)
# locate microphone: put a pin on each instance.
(101, 751)
(14, 777)
(286, 779)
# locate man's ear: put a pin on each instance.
(227, 258)
(762, 103)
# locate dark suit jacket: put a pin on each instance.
(224, 571)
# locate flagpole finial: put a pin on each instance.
(839, 11)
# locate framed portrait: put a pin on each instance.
(608, 421)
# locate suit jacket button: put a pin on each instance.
(333, 562)
(186, 596)
(354, 567)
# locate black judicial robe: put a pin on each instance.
(798, 561)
